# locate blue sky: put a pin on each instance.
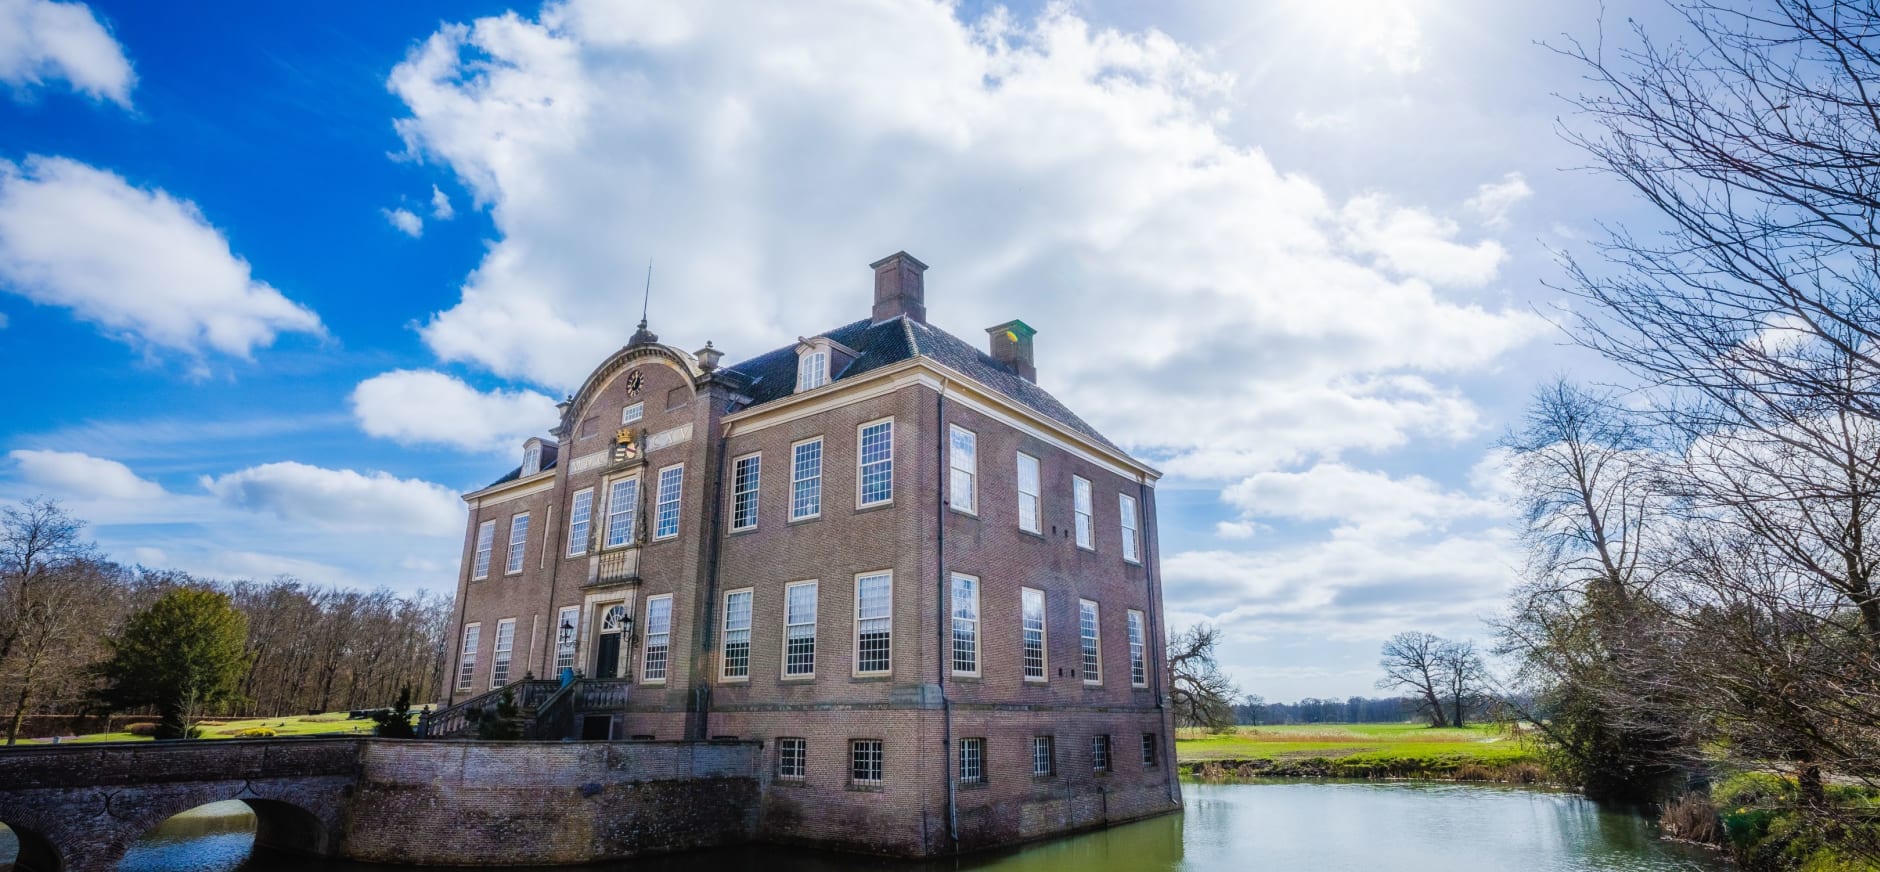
(276, 282)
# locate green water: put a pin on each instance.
(1319, 826)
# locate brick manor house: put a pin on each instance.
(930, 590)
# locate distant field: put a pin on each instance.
(302, 725)
(1360, 750)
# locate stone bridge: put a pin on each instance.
(78, 808)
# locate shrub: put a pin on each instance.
(141, 728)
(256, 733)
(1691, 817)
(395, 722)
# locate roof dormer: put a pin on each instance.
(818, 359)
(534, 452)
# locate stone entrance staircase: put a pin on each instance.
(548, 709)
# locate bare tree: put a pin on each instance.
(1412, 662)
(1201, 694)
(1465, 677)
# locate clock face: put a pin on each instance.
(634, 382)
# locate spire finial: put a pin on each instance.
(644, 336)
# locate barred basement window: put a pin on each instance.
(658, 638)
(874, 622)
(1080, 507)
(737, 653)
(865, 761)
(518, 540)
(505, 647)
(1100, 753)
(567, 630)
(874, 459)
(1043, 756)
(972, 761)
(745, 472)
(579, 517)
(486, 537)
(799, 630)
(806, 479)
(963, 459)
(666, 514)
(467, 660)
(1126, 507)
(965, 625)
(623, 504)
(1032, 607)
(1148, 750)
(1028, 490)
(1091, 634)
(792, 759)
(1138, 668)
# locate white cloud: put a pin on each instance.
(341, 499)
(1415, 243)
(138, 262)
(1377, 503)
(42, 40)
(406, 222)
(762, 156)
(72, 475)
(440, 205)
(417, 407)
(1493, 200)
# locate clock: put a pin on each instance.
(634, 382)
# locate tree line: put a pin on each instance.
(304, 647)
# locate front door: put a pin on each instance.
(607, 646)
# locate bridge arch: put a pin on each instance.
(279, 825)
(32, 851)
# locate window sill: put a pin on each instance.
(872, 507)
(872, 676)
(805, 519)
(742, 680)
(970, 513)
(797, 679)
(974, 785)
(734, 533)
(1037, 534)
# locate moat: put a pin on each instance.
(1360, 827)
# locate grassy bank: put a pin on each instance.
(302, 725)
(1484, 753)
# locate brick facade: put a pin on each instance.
(703, 418)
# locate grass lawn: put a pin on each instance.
(1335, 741)
(301, 725)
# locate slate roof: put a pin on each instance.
(773, 375)
(550, 454)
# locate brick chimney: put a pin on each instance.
(898, 288)
(1011, 345)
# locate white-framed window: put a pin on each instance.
(1126, 507)
(467, 660)
(799, 630)
(632, 413)
(736, 664)
(1080, 505)
(812, 369)
(1043, 756)
(1148, 750)
(965, 624)
(806, 479)
(1138, 663)
(486, 539)
(1031, 608)
(658, 639)
(518, 542)
(1030, 516)
(531, 459)
(874, 462)
(1091, 633)
(1100, 753)
(580, 518)
(972, 761)
(746, 472)
(792, 758)
(963, 459)
(623, 508)
(567, 631)
(666, 513)
(874, 623)
(505, 649)
(865, 761)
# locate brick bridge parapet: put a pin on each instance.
(78, 808)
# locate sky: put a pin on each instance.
(279, 281)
